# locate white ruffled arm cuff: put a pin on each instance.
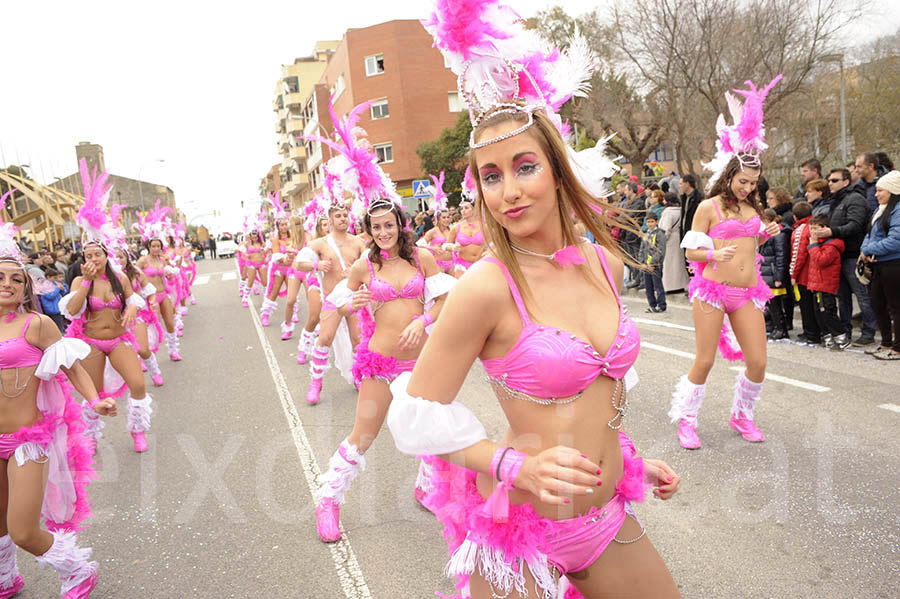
(341, 295)
(448, 246)
(694, 240)
(276, 257)
(64, 306)
(423, 427)
(148, 290)
(307, 254)
(171, 270)
(422, 243)
(62, 353)
(437, 285)
(136, 300)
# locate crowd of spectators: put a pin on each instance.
(839, 240)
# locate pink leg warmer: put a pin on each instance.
(9, 572)
(343, 468)
(70, 562)
(319, 363)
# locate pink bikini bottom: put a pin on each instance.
(256, 265)
(107, 345)
(281, 270)
(9, 443)
(727, 298)
(525, 539)
(460, 264)
(372, 365)
(445, 265)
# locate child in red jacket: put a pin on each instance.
(799, 270)
(824, 279)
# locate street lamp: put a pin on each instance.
(140, 190)
(839, 58)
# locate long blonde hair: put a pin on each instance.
(597, 214)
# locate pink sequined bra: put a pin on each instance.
(382, 291)
(734, 228)
(463, 239)
(98, 304)
(547, 362)
(18, 353)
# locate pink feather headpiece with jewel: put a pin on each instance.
(313, 211)
(155, 224)
(502, 67)
(92, 217)
(746, 138)
(469, 189)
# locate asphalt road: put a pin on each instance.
(221, 504)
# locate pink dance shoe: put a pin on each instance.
(264, 319)
(157, 380)
(140, 443)
(328, 519)
(179, 332)
(256, 291)
(295, 318)
(315, 388)
(84, 588)
(301, 358)
(747, 428)
(245, 303)
(687, 435)
(175, 356)
(193, 301)
(13, 590)
(143, 369)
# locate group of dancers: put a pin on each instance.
(120, 310)
(530, 297)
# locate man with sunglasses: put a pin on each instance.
(849, 217)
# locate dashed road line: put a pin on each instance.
(662, 323)
(773, 377)
(229, 276)
(201, 280)
(890, 406)
(349, 572)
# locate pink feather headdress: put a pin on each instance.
(155, 224)
(502, 67)
(356, 167)
(746, 138)
(278, 208)
(440, 198)
(116, 240)
(469, 189)
(9, 248)
(314, 210)
(92, 217)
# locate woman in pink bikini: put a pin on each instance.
(255, 259)
(147, 328)
(282, 252)
(398, 291)
(554, 495)
(45, 458)
(315, 227)
(467, 238)
(726, 289)
(436, 238)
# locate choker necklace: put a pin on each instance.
(567, 256)
(9, 316)
(387, 257)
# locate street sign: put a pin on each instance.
(422, 188)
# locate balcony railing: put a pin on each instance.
(294, 126)
(295, 99)
(298, 153)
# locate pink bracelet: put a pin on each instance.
(709, 255)
(505, 467)
(93, 402)
(426, 318)
(85, 283)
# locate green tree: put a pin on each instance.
(448, 153)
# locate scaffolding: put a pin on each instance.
(45, 216)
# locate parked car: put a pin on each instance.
(225, 246)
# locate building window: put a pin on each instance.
(379, 110)
(455, 103)
(374, 65)
(338, 86)
(384, 153)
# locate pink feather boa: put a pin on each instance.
(79, 456)
(455, 501)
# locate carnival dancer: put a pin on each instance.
(552, 335)
(726, 289)
(45, 458)
(159, 272)
(313, 227)
(436, 238)
(102, 309)
(239, 253)
(393, 332)
(282, 253)
(255, 257)
(329, 259)
(178, 290)
(147, 328)
(466, 237)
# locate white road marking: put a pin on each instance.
(638, 300)
(769, 375)
(662, 323)
(890, 406)
(201, 280)
(349, 573)
(229, 276)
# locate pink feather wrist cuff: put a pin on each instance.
(85, 283)
(426, 319)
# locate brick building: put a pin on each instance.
(415, 96)
(137, 195)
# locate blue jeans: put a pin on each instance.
(851, 285)
(653, 286)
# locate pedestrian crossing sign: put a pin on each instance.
(422, 188)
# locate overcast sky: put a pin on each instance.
(188, 82)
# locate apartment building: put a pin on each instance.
(415, 97)
(292, 88)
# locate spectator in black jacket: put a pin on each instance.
(74, 269)
(690, 199)
(810, 171)
(867, 169)
(775, 271)
(636, 207)
(849, 222)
